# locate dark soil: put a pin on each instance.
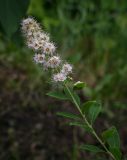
(29, 127)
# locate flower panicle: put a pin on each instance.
(39, 41)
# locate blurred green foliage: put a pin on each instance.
(91, 34)
(11, 13)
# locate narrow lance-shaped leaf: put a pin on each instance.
(58, 95)
(91, 148)
(91, 109)
(68, 115)
(81, 125)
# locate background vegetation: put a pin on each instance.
(92, 35)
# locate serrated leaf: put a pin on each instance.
(91, 109)
(79, 124)
(58, 95)
(68, 115)
(91, 148)
(79, 85)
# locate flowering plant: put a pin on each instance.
(61, 71)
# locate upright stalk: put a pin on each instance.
(88, 124)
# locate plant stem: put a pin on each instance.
(88, 124)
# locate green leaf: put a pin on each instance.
(111, 136)
(11, 13)
(91, 109)
(116, 152)
(79, 85)
(68, 115)
(91, 148)
(71, 94)
(79, 124)
(76, 98)
(58, 95)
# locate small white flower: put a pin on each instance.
(44, 36)
(41, 36)
(35, 44)
(25, 24)
(29, 33)
(29, 24)
(49, 48)
(36, 39)
(66, 69)
(27, 21)
(39, 41)
(59, 77)
(54, 62)
(39, 58)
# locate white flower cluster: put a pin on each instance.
(39, 41)
(54, 62)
